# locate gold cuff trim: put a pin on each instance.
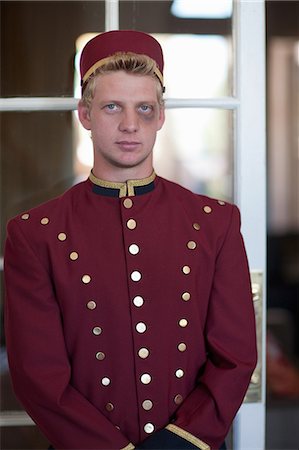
(128, 447)
(104, 61)
(188, 437)
(125, 188)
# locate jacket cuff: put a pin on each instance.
(188, 437)
(172, 439)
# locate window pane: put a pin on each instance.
(38, 44)
(198, 154)
(202, 69)
(36, 159)
(36, 165)
(22, 438)
(8, 400)
(197, 49)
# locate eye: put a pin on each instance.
(111, 107)
(146, 108)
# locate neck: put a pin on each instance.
(122, 175)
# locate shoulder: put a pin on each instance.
(45, 212)
(210, 208)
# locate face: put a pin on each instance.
(123, 118)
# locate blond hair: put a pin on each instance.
(128, 62)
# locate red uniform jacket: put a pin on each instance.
(128, 315)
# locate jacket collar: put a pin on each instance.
(128, 188)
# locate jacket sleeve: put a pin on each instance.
(204, 418)
(39, 363)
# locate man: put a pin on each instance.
(129, 313)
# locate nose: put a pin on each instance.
(129, 121)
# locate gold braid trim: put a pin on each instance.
(125, 188)
(104, 61)
(188, 437)
(128, 447)
(131, 184)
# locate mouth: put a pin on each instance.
(128, 145)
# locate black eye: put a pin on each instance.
(146, 108)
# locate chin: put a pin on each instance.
(131, 162)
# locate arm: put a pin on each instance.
(39, 364)
(203, 419)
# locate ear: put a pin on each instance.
(84, 115)
(161, 119)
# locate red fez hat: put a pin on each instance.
(98, 50)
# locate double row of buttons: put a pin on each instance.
(140, 327)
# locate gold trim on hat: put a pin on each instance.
(126, 188)
(104, 61)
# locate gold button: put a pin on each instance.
(186, 296)
(86, 279)
(145, 378)
(138, 301)
(100, 356)
(140, 327)
(207, 209)
(128, 203)
(136, 276)
(182, 347)
(178, 399)
(221, 202)
(105, 381)
(148, 428)
(134, 249)
(97, 330)
(183, 323)
(62, 236)
(186, 270)
(191, 245)
(25, 216)
(45, 221)
(147, 405)
(196, 226)
(91, 304)
(179, 373)
(131, 224)
(143, 353)
(74, 256)
(109, 407)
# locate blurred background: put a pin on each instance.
(45, 152)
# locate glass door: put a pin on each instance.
(213, 141)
